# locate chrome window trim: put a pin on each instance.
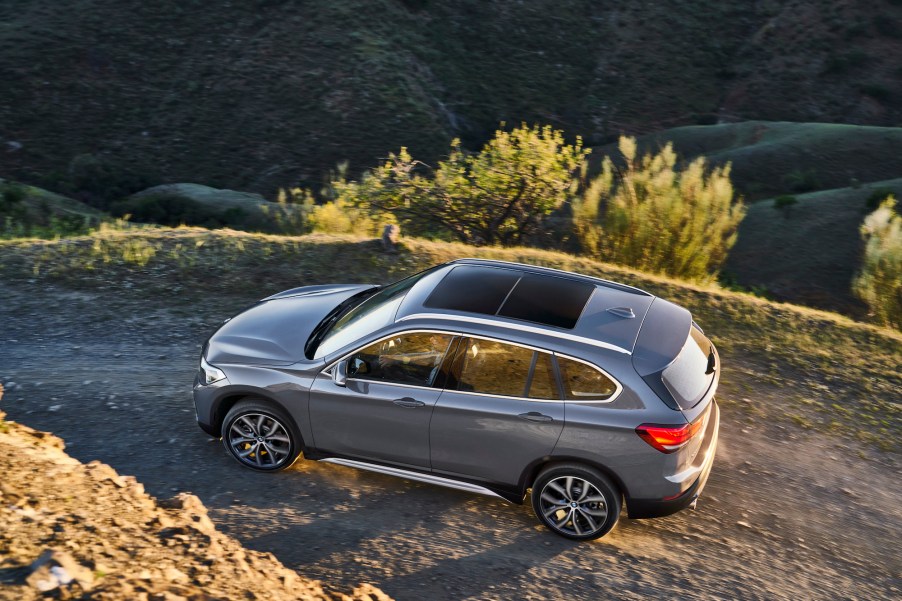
(518, 326)
(613, 397)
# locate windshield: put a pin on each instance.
(375, 312)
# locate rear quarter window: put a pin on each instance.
(583, 382)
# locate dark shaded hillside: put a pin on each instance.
(261, 93)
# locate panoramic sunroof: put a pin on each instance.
(473, 289)
(510, 293)
(549, 300)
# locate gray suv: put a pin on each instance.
(486, 376)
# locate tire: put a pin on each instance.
(576, 501)
(261, 436)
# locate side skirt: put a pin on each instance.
(419, 477)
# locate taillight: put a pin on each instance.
(668, 439)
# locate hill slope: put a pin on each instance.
(809, 443)
(253, 95)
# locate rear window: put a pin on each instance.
(688, 377)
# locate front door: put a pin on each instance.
(383, 411)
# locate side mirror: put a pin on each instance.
(340, 373)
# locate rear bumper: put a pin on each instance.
(655, 508)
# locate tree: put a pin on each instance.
(499, 195)
(879, 283)
(655, 218)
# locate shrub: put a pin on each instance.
(656, 218)
(100, 181)
(174, 210)
(785, 203)
(802, 180)
(20, 220)
(338, 217)
(499, 195)
(877, 91)
(879, 282)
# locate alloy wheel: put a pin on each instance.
(259, 440)
(573, 506)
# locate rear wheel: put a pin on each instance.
(261, 436)
(576, 501)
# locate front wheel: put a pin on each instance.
(576, 501)
(260, 436)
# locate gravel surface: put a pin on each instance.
(786, 514)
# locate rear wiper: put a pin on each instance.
(320, 331)
(712, 360)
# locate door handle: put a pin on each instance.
(408, 402)
(535, 416)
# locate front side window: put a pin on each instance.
(412, 359)
(583, 382)
(491, 367)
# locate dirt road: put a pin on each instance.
(786, 514)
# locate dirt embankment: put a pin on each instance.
(70, 530)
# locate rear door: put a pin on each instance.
(383, 412)
(500, 411)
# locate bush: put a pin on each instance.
(337, 217)
(19, 220)
(802, 180)
(499, 195)
(785, 203)
(879, 282)
(656, 218)
(174, 210)
(100, 181)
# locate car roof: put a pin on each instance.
(533, 301)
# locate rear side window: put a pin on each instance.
(582, 382)
(689, 376)
(498, 368)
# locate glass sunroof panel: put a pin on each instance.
(547, 300)
(473, 289)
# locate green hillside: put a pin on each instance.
(263, 93)
(807, 252)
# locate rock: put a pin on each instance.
(390, 235)
(175, 575)
(55, 569)
(193, 510)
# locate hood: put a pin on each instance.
(274, 331)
